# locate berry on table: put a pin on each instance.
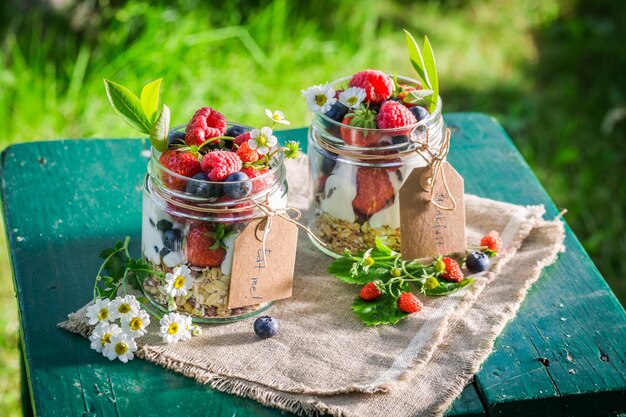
(201, 188)
(206, 123)
(477, 262)
(452, 271)
(266, 327)
(200, 241)
(237, 185)
(409, 303)
(220, 164)
(492, 241)
(182, 163)
(370, 292)
(377, 85)
(393, 115)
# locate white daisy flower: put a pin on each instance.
(352, 97)
(124, 307)
(179, 281)
(173, 327)
(262, 140)
(121, 347)
(99, 312)
(277, 117)
(102, 334)
(136, 325)
(319, 98)
(186, 332)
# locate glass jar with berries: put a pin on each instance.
(206, 182)
(362, 146)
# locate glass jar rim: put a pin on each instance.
(423, 122)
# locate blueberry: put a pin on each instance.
(419, 112)
(477, 262)
(173, 239)
(265, 326)
(375, 107)
(164, 225)
(399, 140)
(233, 131)
(164, 252)
(327, 165)
(176, 137)
(337, 112)
(396, 99)
(203, 189)
(237, 185)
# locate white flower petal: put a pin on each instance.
(272, 141)
(269, 114)
(262, 150)
(252, 144)
(267, 131)
(255, 133)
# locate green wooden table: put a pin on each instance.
(66, 200)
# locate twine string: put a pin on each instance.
(270, 213)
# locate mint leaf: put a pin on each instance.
(160, 129)
(446, 287)
(383, 310)
(416, 58)
(430, 67)
(127, 106)
(150, 99)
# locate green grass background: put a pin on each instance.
(552, 72)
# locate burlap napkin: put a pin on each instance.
(415, 368)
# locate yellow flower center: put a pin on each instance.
(276, 117)
(121, 348)
(320, 99)
(368, 261)
(105, 339)
(261, 140)
(136, 323)
(124, 308)
(173, 329)
(352, 100)
(179, 282)
(103, 314)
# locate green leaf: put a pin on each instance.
(127, 106)
(382, 248)
(150, 99)
(446, 287)
(344, 268)
(416, 58)
(430, 67)
(383, 310)
(160, 129)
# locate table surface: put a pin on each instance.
(66, 200)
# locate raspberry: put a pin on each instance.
(452, 271)
(199, 241)
(258, 184)
(409, 303)
(393, 115)
(244, 137)
(492, 241)
(373, 190)
(181, 163)
(246, 154)
(358, 137)
(220, 164)
(206, 123)
(377, 85)
(370, 292)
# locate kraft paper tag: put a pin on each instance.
(254, 281)
(427, 230)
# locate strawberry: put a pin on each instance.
(360, 134)
(377, 85)
(373, 190)
(370, 292)
(185, 164)
(409, 303)
(247, 154)
(492, 241)
(451, 271)
(201, 246)
(258, 184)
